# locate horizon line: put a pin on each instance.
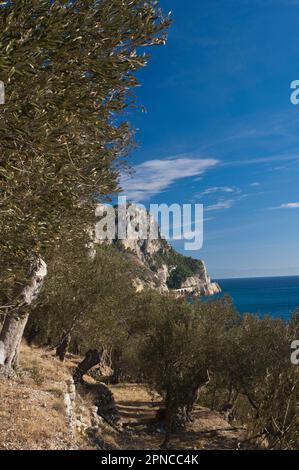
(254, 277)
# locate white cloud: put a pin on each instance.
(219, 189)
(220, 205)
(289, 205)
(155, 176)
(255, 184)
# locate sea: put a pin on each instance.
(274, 296)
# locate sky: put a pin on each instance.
(218, 128)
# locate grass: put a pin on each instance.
(32, 413)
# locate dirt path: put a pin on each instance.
(138, 409)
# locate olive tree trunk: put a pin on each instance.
(16, 319)
(63, 345)
(62, 348)
(177, 414)
(116, 364)
(2, 319)
(92, 358)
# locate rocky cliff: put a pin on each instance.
(155, 261)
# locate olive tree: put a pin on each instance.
(68, 70)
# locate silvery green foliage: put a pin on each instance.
(68, 69)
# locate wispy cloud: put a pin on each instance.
(256, 184)
(289, 205)
(155, 176)
(220, 205)
(218, 189)
(260, 160)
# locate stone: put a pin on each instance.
(106, 406)
(150, 258)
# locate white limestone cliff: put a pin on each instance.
(155, 260)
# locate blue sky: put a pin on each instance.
(219, 129)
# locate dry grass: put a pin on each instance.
(32, 413)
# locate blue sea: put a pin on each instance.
(275, 296)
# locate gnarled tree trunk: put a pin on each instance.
(179, 414)
(92, 358)
(16, 319)
(10, 338)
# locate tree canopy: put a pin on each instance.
(69, 70)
